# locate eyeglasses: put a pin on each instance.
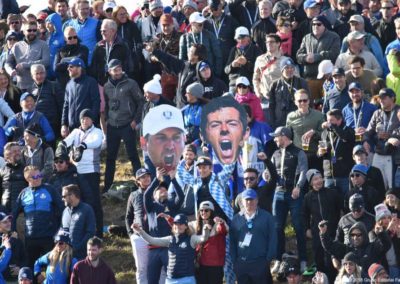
(72, 37)
(317, 24)
(355, 175)
(356, 235)
(12, 39)
(14, 23)
(302, 101)
(109, 10)
(241, 86)
(386, 8)
(250, 178)
(31, 30)
(205, 210)
(59, 161)
(38, 176)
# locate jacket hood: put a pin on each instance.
(56, 20)
(361, 227)
(198, 72)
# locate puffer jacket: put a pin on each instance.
(124, 102)
(326, 47)
(55, 41)
(254, 102)
(12, 182)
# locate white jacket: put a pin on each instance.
(92, 138)
(5, 111)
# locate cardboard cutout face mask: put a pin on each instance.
(223, 126)
(164, 136)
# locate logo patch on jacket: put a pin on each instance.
(183, 245)
(42, 196)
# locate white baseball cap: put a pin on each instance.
(324, 67)
(241, 31)
(242, 80)
(108, 5)
(196, 17)
(162, 117)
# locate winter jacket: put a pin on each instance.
(81, 224)
(246, 13)
(185, 70)
(251, 52)
(393, 78)
(103, 54)
(27, 54)
(370, 196)
(394, 248)
(337, 99)
(87, 32)
(5, 258)
(254, 102)
(281, 96)
(366, 254)
(60, 179)
(9, 7)
(41, 156)
(42, 207)
(213, 87)
(348, 220)
(13, 101)
(84, 272)
(260, 29)
(135, 212)
(80, 93)
(55, 41)
(91, 140)
(386, 32)
(211, 43)
(326, 47)
(149, 29)
(49, 101)
(191, 119)
(64, 55)
(16, 125)
(343, 142)
(363, 114)
(18, 258)
(59, 275)
(124, 102)
(225, 33)
(12, 182)
(5, 111)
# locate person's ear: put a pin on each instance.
(143, 143)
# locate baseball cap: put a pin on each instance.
(114, 63)
(356, 18)
(76, 61)
(249, 193)
(141, 172)
(310, 4)
(62, 236)
(181, 219)
(358, 148)
(355, 85)
(203, 65)
(25, 273)
(387, 92)
(338, 71)
(155, 4)
(109, 5)
(282, 131)
(25, 95)
(12, 34)
(204, 161)
(242, 80)
(61, 154)
(241, 31)
(206, 205)
(196, 17)
(356, 202)
(4, 216)
(41, 16)
(325, 67)
(286, 63)
(162, 117)
(355, 35)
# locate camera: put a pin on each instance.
(114, 105)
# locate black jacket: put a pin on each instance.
(386, 32)
(260, 29)
(369, 194)
(347, 221)
(12, 182)
(9, 7)
(213, 87)
(60, 179)
(64, 55)
(135, 211)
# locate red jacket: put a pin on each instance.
(213, 253)
(255, 104)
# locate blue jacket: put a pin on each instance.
(48, 132)
(57, 276)
(5, 259)
(81, 224)
(153, 208)
(80, 93)
(367, 110)
(261, 130)
(263, 241)
(55, 41)
(42, 208)
(191, 119)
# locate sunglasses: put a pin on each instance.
(358, 210)
(355, 175)
(14, 23)
(72, 37)
(205, 210)
(60, 243)
(250, 178)
(38, 176)
(356, 235)
(31, 30)
(59, 161)
(302, 101)
(386, 8)
(241, 86)
(317, 24)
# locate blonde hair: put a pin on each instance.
(356, 274)
(63, 258)
(13, 91)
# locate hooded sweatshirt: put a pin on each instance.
(213, 87)
(255, 104)
(55, 41)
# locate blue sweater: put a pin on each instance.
(57, 276)
(263, 241)
(5, 259)
(367, 110)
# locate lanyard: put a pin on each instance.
(357, 120)
(337, 143)
(283, 152)
(217, 30)
(386, 122)
(252, 21)
(194, 38)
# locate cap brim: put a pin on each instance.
(320, 75)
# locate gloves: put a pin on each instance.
(77, 152)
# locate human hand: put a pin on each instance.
(296, 192)
(64, 131)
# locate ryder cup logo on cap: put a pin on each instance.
(162, 117)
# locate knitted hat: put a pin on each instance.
(374, 269)
(25, 273)
(311, 173)
(189, 3)
(360, 168)
(381, 211)
(322, 19)
(356, 202)
(350, 257)
(155, 4)
(195, 89)
(153, 86)
(86, 113)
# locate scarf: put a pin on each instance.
(287, 41)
